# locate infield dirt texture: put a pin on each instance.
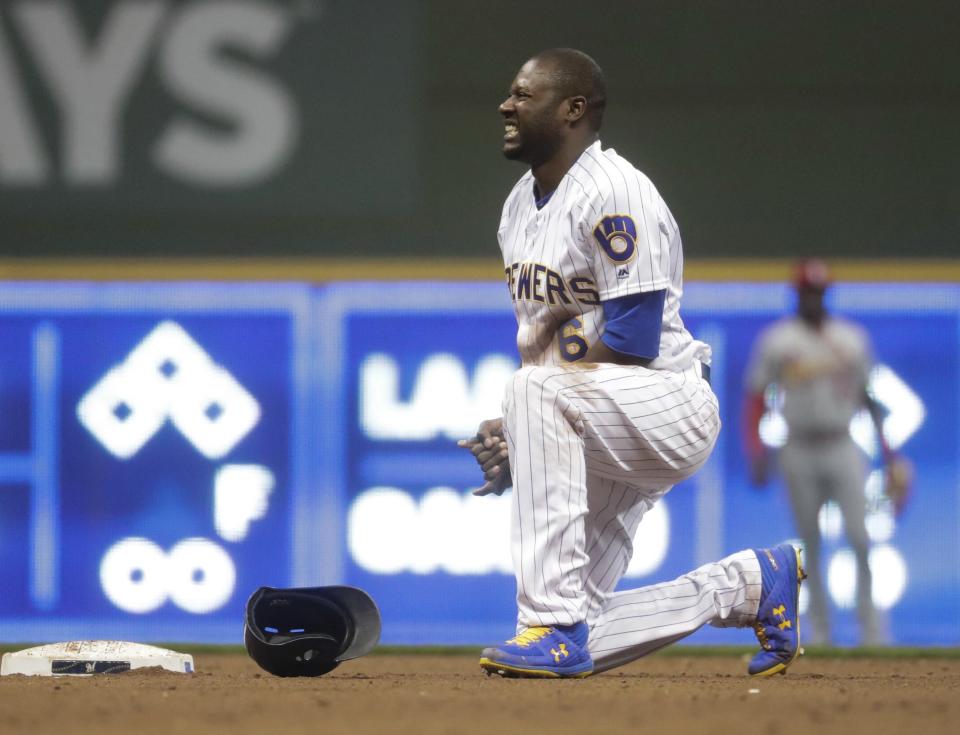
(671, 694)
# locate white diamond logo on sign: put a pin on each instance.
(168, 376)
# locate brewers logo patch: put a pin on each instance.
(616, 234)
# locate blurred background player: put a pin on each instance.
(821, 364)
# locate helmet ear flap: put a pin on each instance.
(295, 633)
(313, 655)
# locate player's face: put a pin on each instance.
(533, 122)
(810, 304)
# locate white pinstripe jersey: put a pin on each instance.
(604, 233)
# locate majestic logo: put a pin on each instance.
(622, 273)
(168, 376)
(781, 613)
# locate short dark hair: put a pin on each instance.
(577, 74)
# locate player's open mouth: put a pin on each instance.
(510, 131)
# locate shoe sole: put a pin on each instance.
(781, 668)
(515, 672)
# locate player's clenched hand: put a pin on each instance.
(490, 450)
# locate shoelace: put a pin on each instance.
(762, 636)
(530, 635)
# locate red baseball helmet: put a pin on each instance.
(811, 273)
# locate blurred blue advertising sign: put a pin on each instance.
(165, 449)
(147, 463)
(421, 367)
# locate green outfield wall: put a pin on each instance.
(334, 128)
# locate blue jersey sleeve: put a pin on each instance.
(633, 323)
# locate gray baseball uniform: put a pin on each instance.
(823, 373)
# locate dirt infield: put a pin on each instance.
(449, 694)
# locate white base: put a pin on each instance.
(86, 658)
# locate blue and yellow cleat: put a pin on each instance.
(778, 617)
(543, 652)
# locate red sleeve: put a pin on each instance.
(753, 408)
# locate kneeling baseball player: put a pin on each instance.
(612, 406)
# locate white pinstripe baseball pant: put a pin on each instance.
(592, 448)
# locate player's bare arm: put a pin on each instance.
(599, 351)
(877, 412)
(899, 471)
